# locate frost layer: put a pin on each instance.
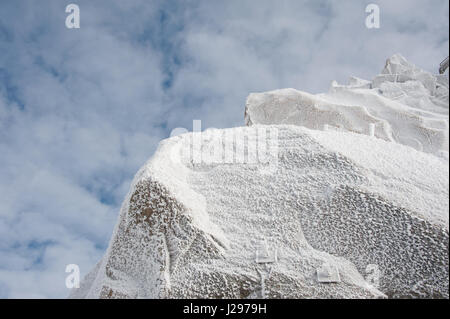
(358, 184)
(192, 229)
(403, 104)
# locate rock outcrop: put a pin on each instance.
(285, 209)
(403, 104)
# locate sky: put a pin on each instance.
(82, 109)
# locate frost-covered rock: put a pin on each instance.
(192, 228)
(403, 104)
(295, 211)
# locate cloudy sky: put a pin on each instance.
(82, 109)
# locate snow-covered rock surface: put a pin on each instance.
(265, 210)
(403, 104)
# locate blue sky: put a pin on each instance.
(82, 109)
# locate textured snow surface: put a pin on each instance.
(403, 104)
(192, 230)
(353, 199)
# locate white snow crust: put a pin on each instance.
(333, 192)
(403, 104)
